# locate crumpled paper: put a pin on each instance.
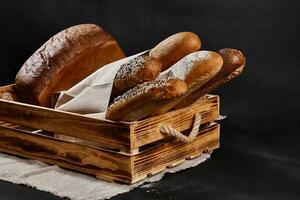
(90, 97)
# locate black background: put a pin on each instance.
(259, 154)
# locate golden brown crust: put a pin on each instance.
(140, 95)
(208, 65)
(233, 59)
(138, 70)
(202, 65)
(175, 47)
(234, 62)
(64, 60)
(194, 70)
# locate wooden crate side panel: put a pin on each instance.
(147, 131)
(112, 134)
(173, 153)
(104, 165)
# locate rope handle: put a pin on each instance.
(186, 139)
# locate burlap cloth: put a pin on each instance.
(65, 183)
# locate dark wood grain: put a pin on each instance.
(100, 163)
(147, 131)
(104, 132)
(103, 164)
(173, 153)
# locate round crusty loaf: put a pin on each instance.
(175, 47)
(137, 70)
(64, 60)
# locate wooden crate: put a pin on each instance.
(112, 151)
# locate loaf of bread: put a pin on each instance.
(233, 65)
(64, 60)
(195, 69)
(175, 47)
(138, 70)
(147, 67)
(127, 106)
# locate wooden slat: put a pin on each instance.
(16, 126)
(103, 164)
(116, 135)
(174, 153)
(147, 131)
(8, 125)
(94, 144)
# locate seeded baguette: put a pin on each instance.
(138, 70)
(175, 47)
(127, 107)
(234, 62)
(147, 67)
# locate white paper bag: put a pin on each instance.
(91, 96)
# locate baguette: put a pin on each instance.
(234, 62)
(195, 69)
(147, 67)
(138, 70)
(175, 47)
(127, 106)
